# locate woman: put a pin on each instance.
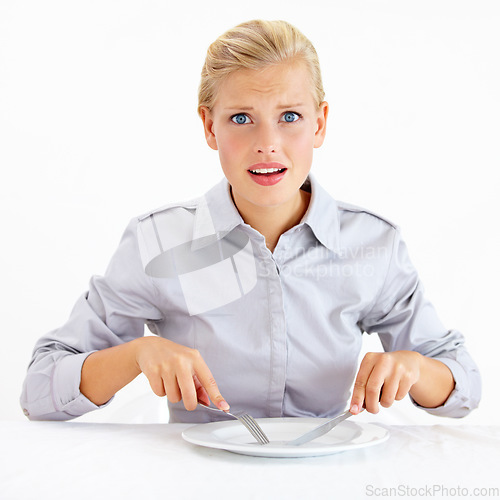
(261, 289)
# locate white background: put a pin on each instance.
(98, 123)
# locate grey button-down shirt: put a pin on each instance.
(281, 332)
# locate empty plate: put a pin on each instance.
(233, 436)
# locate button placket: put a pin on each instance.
(277, 331)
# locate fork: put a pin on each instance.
(247, 420)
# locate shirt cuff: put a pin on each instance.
(66, 394)
(457, 404)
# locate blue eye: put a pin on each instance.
(240, 119)
(290, 116)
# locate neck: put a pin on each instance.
(272, 222)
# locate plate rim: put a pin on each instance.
(282, 452)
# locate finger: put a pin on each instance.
(202, 396)
(172, 388)
(207, 381)
(156, 383)
(388, 391)
(396, 387)
(374, 387)
(403, 389)
(188, 390)
(359, 389)
(201, 393)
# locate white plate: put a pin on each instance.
(233, 436)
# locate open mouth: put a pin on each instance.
(267, 175)
(267, 171)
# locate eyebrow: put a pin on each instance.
(250, 108)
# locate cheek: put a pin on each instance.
(303, 144)
(230, 147)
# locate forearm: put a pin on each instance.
(434, 385)
(107, 371)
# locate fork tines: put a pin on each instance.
(254, 428)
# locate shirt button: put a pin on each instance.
(26, 412)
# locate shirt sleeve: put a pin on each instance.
(405, 320)
(114, 310)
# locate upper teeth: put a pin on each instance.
(265, 170)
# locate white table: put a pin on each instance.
(76, 460)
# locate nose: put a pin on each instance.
(267, 139)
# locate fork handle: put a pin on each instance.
(203, 405)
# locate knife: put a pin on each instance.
(320, 429)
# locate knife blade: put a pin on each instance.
(320, 429)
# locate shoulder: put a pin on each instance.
(360, 227)
(167, 226)
(349, 211)
(179, 206)
(164, 228)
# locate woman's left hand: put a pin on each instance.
(384, 377)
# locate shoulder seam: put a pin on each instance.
(190, 204)
(355, 209)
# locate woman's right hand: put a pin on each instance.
(178, 372)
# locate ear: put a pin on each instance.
(319, 136)
(208, 126)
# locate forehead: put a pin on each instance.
(283, 81)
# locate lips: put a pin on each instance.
(267, 174)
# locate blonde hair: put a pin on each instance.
(255, 45)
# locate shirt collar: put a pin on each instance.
(322, 216)
(217, 215)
